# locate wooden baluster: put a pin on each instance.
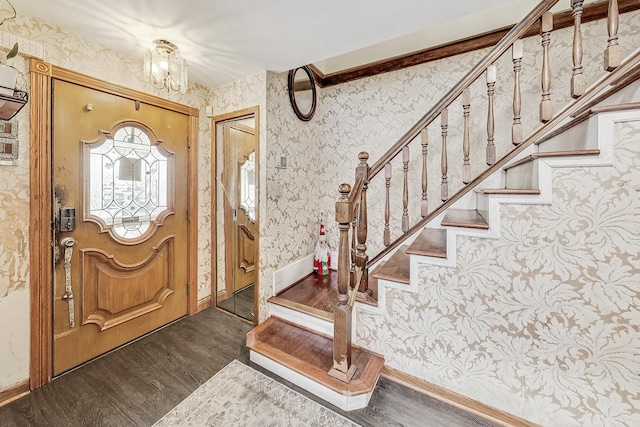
(387, 205)
(342, 368)
(361, 229)
(546, 108)
(491, 83)
(424, 206)
(613, 53)
(352, 270)
(405, 190)
(516, 128)
(444, 185)
(578, 80)
(466, 142)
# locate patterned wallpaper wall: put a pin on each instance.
(524, 368)
(371, 114)
(567, 358)
(543, 323)
(422, 334)
(66, 50)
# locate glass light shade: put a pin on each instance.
(164, 67)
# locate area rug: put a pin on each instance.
(238, 395)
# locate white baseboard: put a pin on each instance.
(291, 273)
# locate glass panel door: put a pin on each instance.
(236, 216)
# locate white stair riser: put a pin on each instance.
(302, 319)
(583, 136)
(344, 402)
(524, 176)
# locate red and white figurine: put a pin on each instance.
(322, 254)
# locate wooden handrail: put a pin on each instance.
(514, 34)
(354, 195)
(592, 92)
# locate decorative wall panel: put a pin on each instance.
(113, 293)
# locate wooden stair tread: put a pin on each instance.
(318, 295)
(431, 242)
(311, 354)
(370, 298)
(464, 218)
(313, 294)
(551, 154)
(521, 191)
(395, 268)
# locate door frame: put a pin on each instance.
(234, 115)
(40, 205)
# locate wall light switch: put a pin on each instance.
(282, 162)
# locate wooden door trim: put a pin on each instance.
(234, 115)
(40, 206)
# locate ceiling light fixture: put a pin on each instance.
(164, 67)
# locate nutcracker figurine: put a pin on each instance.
(322, 254)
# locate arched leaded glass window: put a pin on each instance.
(128, 189)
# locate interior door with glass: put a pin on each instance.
(120, 207)
(237, 192)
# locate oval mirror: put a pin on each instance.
(302, 92)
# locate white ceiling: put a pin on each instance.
(223, 40)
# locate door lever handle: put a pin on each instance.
(67, 244)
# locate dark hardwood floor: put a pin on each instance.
(139, 383)
(240, 303)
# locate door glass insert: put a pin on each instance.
(128, 178)
(248, 186)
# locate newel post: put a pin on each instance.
(342, 368)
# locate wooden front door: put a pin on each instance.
(121, 269)
(239, 177)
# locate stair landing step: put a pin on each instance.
(395, 268)
(464, 218)
(313, 294)
(551, 154)
(311, 354)
(431, 242)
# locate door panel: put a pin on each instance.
(240, 206)
(128, 266)
(246, 259)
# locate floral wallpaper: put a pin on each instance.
(539, 364)
(373, 113)
(526, 326)
(370, 114)
(543, 323)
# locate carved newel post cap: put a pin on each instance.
(363, 156)
(344, 189)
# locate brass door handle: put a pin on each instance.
(67, 244)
